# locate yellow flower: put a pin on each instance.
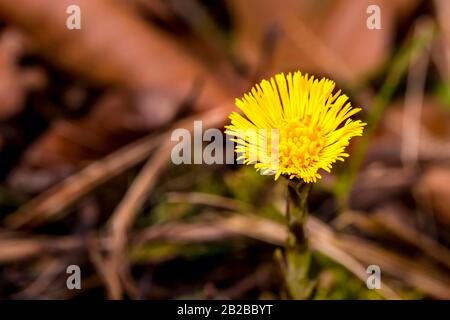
(294, 126)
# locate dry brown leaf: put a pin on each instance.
(114, 47)
(329, 37)
(15, 81)
(156, 73)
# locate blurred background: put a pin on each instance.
(86, 177)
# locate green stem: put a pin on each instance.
(297, 213)
(295, 263)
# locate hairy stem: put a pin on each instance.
(295, 262)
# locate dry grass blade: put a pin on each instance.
(340, 248)
(122, 219)
(183, 232)
(53, 268)
(128, 208)
(18, 249)
(323, 240)
(110, 280)
(15, 248)
(384, 221)
(351, 252)
(321, 236)
(58, 198)
(428, 279)
(207, 199)
(261, 275)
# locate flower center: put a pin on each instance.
(299, 144)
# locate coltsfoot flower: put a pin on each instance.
(293, 125)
